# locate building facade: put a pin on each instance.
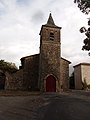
(46, 71)
(82, 75)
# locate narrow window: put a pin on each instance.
(51, 36)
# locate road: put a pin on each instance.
(66, 107)
(51, 106)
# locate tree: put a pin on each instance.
(7, 66)
(86, 41)
(84, 6)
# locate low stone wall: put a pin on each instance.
(14, 81)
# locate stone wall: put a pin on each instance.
(27, 77)
(30, 72)
(49, 56)
(64, 74)
(14, 81)
(2, 79)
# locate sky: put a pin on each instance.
(21, 21)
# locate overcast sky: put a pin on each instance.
(20, 24)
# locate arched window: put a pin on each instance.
(51, 36)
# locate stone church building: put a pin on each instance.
(46, 71)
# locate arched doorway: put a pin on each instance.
(50, 84)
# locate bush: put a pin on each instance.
(7, 66)
(85, 85)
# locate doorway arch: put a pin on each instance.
(50, 84)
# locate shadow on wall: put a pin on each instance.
(85, 86)
(71, 81)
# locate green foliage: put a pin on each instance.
(84, 5)
(7, 66)
(86, 41)
(71, 81)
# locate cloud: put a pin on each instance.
(37, 17)
(23, 2)
(21, 21)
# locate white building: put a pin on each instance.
(81, 74)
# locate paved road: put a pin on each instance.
(19, 107)
(64, 106)
(71, 106)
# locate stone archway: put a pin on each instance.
(50, 84)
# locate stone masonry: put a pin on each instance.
(46, 71)
(49, 54)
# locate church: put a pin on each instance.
(46, 71)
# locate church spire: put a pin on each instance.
(50, 23)
(50, 20)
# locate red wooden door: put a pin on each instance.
(50, 84)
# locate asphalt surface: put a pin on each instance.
(66, 107)
(73, 105)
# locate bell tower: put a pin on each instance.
(50, 54)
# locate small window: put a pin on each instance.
(51, 36)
